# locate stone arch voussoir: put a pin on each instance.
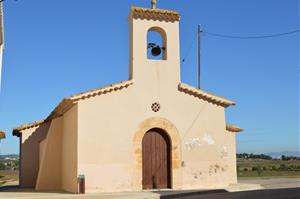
(172, 132)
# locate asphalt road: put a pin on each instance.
(292, 193)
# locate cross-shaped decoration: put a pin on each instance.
(153, 2)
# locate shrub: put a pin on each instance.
(2, 166)
(283, 167)
(274, 168)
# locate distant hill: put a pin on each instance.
(9, 156)
(278, 155)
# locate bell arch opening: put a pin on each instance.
(156, 44)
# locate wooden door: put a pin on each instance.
(156, 160)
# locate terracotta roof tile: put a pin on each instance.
(27, 126)
(205, 95)
(154, 14)
(232, 128)
(101, 91)
(2, 134)
(68, 102)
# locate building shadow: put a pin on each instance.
(29, 156)
(180, 194)
(18, 189)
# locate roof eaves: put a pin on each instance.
(68, 102)
(2, 135)
(205, 95)
(101, 91)
(17, 130)
(154, 14)
(234, 129)
(62, 107)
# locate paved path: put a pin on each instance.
(35, 195)
(274, 190)
(14, 193)
(272, 183)
(293, 193)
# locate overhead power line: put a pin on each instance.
(236, 37)
(190, 47)
(251, 37)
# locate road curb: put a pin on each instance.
(243, 187)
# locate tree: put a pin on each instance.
(283, 157)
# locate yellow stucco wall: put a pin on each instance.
(29, 154)
(49, 176)
(107, 126)
(69, 150)
(49, 154)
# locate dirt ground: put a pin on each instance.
(245, 168)
(9, 177)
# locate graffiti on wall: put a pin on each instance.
(192, 143)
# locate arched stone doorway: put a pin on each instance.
(156, 155)
(175, 150)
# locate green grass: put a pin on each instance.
(2, 183)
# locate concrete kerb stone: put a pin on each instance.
(243, 187)
(145, 195)
(31, 194)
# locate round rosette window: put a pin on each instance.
(155, 107)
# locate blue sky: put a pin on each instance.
(57, 48)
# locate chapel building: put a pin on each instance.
(149, 132)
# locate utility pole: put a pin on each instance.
(199, 55)
(1, 40)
